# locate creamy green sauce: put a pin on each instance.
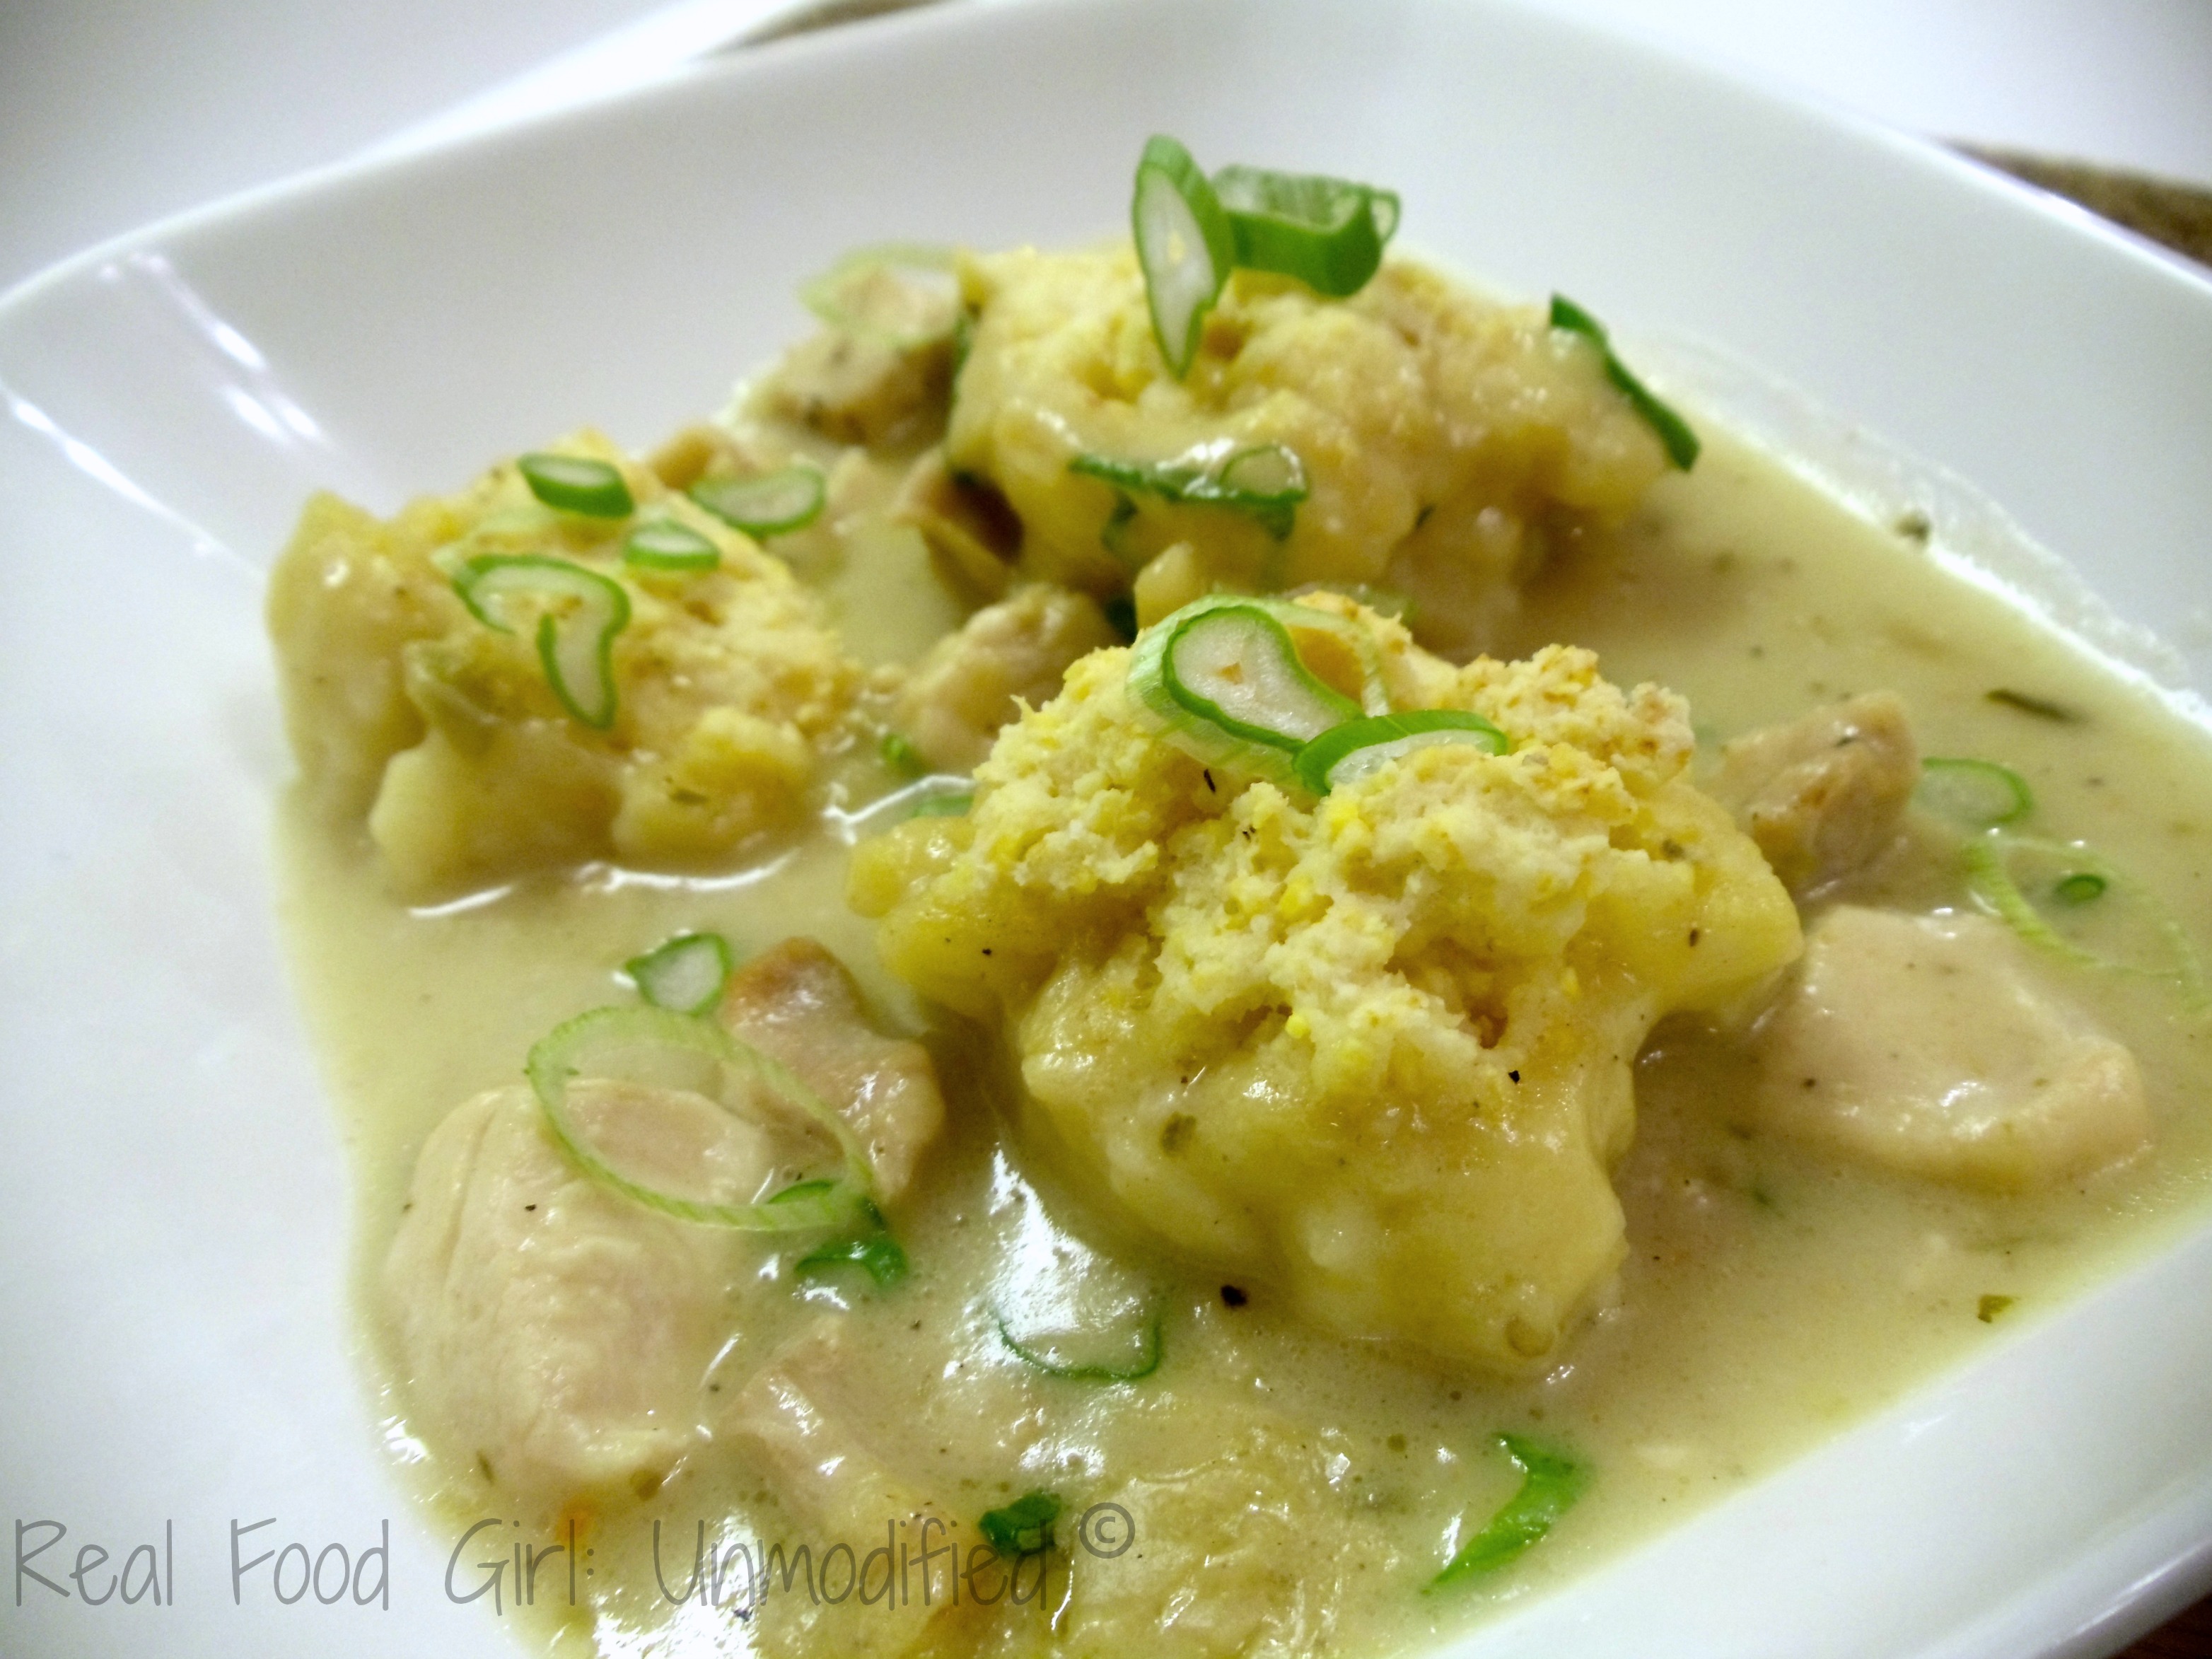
(1770, 1297)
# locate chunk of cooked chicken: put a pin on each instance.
(1926, 1045)
(1008, 655)
(1375, 1047)
(1825, 795)
(853, 389)
(548, 1326)
(796, 1003)
(1436, 431)
(446, 731)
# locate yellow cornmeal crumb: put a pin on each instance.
(1374, 1048)
(445, 733)
(1434, 429)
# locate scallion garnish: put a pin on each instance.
(899, 294)
(1550, 1484)
(1681, 443)
(1328, 232)
(681, 1050)
(665, 544)
(576, 483)
(1184, 245)
(1058, 1356)
(944, 807)
(1023, 1526)
(1265, 482)
(1345, 753)
(579, 613)
(2069, 901)
(874, 1250)
(1974, 794)
(1224, 677)
(789, 498)
(899, 754)
(686, 973)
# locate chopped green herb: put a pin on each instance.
(874, 1250)
(1681, 443)
(576, 484)
(1023, 1526)
(943, 806)
(1990, 1307)
(900, 755)
(1550, 1484)
(2079, 888)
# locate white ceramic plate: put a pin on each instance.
(173, 1208)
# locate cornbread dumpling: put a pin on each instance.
(1436, 431)
(1374, 1047)
(447, 733)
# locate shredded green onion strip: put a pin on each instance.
(590, 1043)
(579, 613)
(1328, 232)
(2097, 918)
(1975, 794)
(1356, 749)
(1038, 1356)
(790, 498)
(1184, 244)
(873, 1250)
(687, 972)
(1224, 677)
(1681, 443)
(1550, 1484)
(577, 483)
(665, 544)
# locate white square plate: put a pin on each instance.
(174, 1204)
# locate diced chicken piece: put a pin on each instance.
(1016, 651)
(797, 1004)
(1824, 794)
(547, 1325)
(853, 389)
(1923, 1044)
(966, 522)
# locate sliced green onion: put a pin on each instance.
(874, 1251)
(2125, 929)
(899, 294)
(1226, 679)
(1328, 232)
(1074, 1359)
(686, 973)
(576, 484)
(1023, 1526)
(943, 806)
(682, 1050)
(1974, 794)
(1681, 443)
(1550, 1484)
(1184, 245)
(2079, 888)
(1264, 482)
(900, 755)
(665, 544)
(1356, 749)
(789, 498)
(2042, 708)
(579, 613)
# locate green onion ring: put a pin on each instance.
(665, 544)
(576, 483)
(687, 972)
(1328, 232)
(1226, 648)
(1351, 750)
(1142, 1366)
(1184, 247)
(567, 1051)
(1681, 443)
(789, 498)
(1550, 1484)
(1974, 794)
(1264, 481)
(575, 632)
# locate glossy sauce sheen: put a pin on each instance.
(1770, 1297)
